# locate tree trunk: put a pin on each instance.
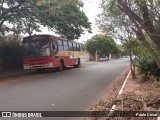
(138, 22)
(145, 23)
(149, 27)
(132, 66)
(141, 37)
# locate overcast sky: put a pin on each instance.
(91, 9)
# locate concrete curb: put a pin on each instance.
(121, 90)
(14, 74)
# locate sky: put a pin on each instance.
(91, 9)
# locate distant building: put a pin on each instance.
(95, 57)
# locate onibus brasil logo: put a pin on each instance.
(21, 114)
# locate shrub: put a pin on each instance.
(147, 65)
(157, 83)
(11, 52)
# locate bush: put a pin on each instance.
(11, 52)
(147, 65)
(157, 83)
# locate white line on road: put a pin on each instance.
(121, 90)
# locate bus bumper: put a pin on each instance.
(48, 65)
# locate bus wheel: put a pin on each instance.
(79, 64)
(61, 66)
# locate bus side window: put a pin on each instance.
(78, 47)
(70, 46)
(81, 47)
(60, 45)
(74, 46)
(54, 47)
(59, 42)
(65, 45)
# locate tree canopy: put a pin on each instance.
(102, 44)
(71, 22)
(127, 19)
(64, 17)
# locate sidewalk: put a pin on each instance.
(13, 73)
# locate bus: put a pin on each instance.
(43, 52)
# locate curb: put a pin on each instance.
(120, 92)
(16, 75)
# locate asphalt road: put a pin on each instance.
(70, 90)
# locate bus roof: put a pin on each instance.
(47, 35)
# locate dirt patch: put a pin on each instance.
(22, 77)
(138, 96)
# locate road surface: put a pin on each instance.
(70, 90)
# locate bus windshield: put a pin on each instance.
(36, 48)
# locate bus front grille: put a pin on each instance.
(37, 66)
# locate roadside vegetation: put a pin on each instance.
(103, 45)
(136, 24)
(27, 16)
(11, 51)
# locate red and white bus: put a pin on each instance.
(46, 51)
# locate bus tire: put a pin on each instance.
(61, 67)
(78, 64)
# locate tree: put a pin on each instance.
(147, 19)
(146, 64)
(65, 17)
(102, 44)
(131, 45)
(133, 17)
(71, 22)
(12, 9)
(27, 25)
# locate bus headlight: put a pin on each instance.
(26, 67)
(49, 65)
